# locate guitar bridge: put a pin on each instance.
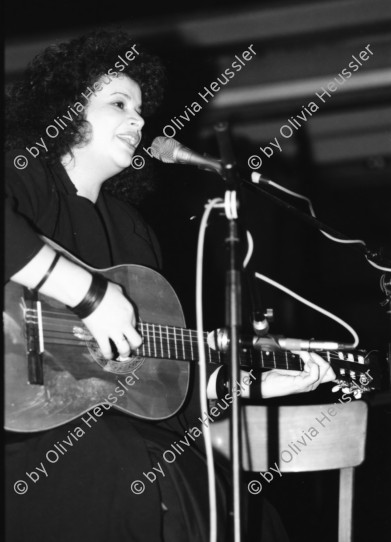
(34, 337)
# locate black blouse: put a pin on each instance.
(42, 200)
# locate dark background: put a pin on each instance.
(340, 159)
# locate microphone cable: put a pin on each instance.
(215, 203)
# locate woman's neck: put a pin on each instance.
(82, 173)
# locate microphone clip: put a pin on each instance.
(260, 322)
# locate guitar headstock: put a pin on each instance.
(362, 375)
(354, 387)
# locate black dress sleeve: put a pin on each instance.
(28, 196)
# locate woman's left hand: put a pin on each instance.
(279, 382)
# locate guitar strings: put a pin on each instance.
(187, 337)
(188, 350)
(269, 360)
(163, 341)
(167, 330)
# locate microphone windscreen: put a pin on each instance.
(163, 149)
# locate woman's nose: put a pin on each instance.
(136, 119)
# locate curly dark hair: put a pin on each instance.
(55, 81)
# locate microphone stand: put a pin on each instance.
(233, 316)
(233, 304)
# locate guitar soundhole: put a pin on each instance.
(117, 366)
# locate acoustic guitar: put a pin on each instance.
(54, 371)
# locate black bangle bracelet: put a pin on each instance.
(48, 272)
(256, 387)
(92, 298)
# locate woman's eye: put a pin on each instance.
(121, 105)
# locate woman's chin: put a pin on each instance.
(124, 161)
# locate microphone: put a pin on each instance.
(301, 344)
(170, 151)
(219, 340)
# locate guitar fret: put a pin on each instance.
(183, 344)
(191, 346)
(144, 336)
(175, 344)
(168, 343)
(270, 360)
(264, 358)
(139, 350)
(149, 341)
(154, 340)
(272, 355)
(161, 342)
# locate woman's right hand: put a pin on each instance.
(114, 319)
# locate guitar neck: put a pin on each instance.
(182, 344)
(169, 342)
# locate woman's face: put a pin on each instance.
(115, 122)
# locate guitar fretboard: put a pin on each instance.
(169, 342)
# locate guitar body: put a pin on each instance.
(75, 376)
